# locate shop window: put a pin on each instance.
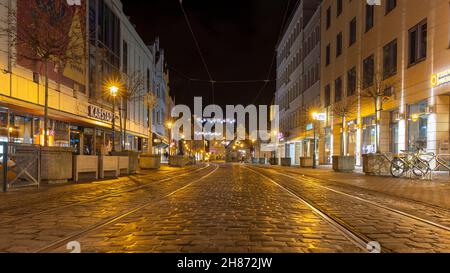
(394, 132)
(352, 132)
(369, 135)
(328, 146)
(418, 126)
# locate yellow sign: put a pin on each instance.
(440, 78)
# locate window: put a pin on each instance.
(328, 17)
(352, 32)
(125, 57)
(327, 97)
(418, 43)
(148, 81)
(369, 17)
(390, 59)
(351, 82)
(327, 55)
(338, 7)
(390, 5)
(339, 45)
(368, 69)
(338, 90)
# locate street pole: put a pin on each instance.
(170, 142)
(315, 144)
(150, 131)
(114, 125)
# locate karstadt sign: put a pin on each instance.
(74, 2)
(100, 114)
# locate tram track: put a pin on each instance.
(103, 196)
(357, 188)
(372, 203)
(113, 219)
(358, 239)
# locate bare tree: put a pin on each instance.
(134, 84)
(150, 101)
(45, 33)
(344, 110)
(378, 91)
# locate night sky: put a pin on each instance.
(236, 37)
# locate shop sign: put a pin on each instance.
(99, 113)
(440, 78)
(309, 127)
(320, 116)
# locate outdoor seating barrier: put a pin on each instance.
(124, 165)
(85, 164)
(108, 165)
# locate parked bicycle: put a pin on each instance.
(409, 163)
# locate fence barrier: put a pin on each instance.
(20, 165)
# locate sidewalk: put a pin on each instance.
(436, 192)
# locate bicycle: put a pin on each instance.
(409, 162)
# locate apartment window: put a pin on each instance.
(339, 45)
(390, 5)
(148, 81)
(370, 12)
(352, 32)
(327, 97)
(338, 90)
(338, 8)
(390, 59)
(418, 43)
(368, 71)
(125, 57)
(328, 55)
(328, 17)
(351, 82)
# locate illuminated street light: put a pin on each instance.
(114, 92)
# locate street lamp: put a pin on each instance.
(114, 91)
(169, 127)
(315, 117)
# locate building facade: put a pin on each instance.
(298, 88)
(162, 93)
(399, 49)
(80, 110)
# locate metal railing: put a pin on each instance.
(20, 165)
(419, 164)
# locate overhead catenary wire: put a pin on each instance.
(280, 33)
(246, 81)
(199, 50)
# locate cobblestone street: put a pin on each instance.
(225, 208)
